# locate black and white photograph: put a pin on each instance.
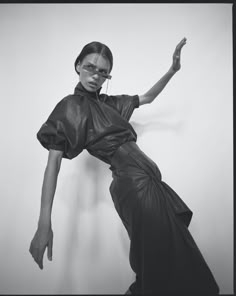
(116, 148)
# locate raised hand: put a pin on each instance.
(42, 239)
(176, 56)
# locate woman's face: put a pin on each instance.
(93, 70)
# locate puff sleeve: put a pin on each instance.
(65, 129)
(125, 104)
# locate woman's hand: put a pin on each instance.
(42, 239)
(176, 56)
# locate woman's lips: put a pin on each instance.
(93, 84)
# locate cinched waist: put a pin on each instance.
(130, 158)
(122, 152)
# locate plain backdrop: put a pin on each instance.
(187, 131)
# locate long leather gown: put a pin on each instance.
(163, 254)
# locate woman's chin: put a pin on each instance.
(91, 87)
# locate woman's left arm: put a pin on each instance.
(150, 95)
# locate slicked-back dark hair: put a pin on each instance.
(94, 47)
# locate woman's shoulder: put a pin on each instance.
(73, 100)
(71, 106)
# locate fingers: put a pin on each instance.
(37, 254)
(183, 41)
(40, 260)
(42, 239)
(178, 48)
(49, 253)
(181, 44)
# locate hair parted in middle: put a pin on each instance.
(94, 47)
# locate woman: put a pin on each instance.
(163, 254)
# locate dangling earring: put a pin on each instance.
(107, 85)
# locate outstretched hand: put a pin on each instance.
(42, 239)
(176, 56)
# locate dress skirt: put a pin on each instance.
(163, 254)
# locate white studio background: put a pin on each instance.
(187, 131)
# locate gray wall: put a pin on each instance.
(187, 131)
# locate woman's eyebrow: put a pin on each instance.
(97, 67)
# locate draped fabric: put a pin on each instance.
(85, 120)
(65, 129)
(163, 253)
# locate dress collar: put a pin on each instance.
(79, 89)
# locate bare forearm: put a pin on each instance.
(43, 237)
(47, 196)
(159, 86)
(150, 95)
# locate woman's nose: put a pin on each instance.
(96, 76)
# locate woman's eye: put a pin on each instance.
(103, 72)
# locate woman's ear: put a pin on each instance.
(78, 67)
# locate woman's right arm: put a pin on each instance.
(43, 237)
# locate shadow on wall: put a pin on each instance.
(84, 198)
(155, 125)
(91, 231)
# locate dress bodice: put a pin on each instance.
(93, 121)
